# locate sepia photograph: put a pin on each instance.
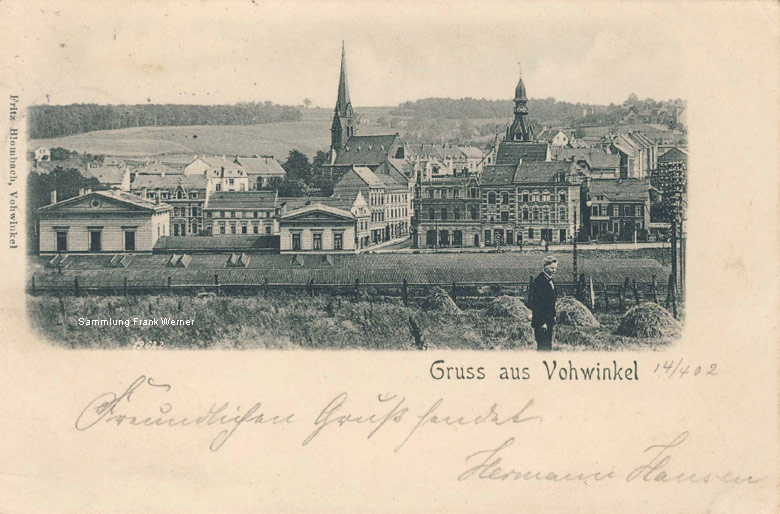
(495, 205)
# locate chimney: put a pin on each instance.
(157, 198)
(81, 191)
(53, 196)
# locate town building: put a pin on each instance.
(674, 154)
(260, 170)
(619, 209)
(592, 162)
(113, 177)
(447, 213)
(102, 222)
(354, 204)
(42, 154)
(185, 193)
(441, 160)
(638, 154)
(242, 213)
(373, 189)
(317, 228)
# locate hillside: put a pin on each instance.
(277, 139)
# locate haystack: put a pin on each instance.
(439, 300)
(509, 307)
(571, 312)
(648, 320)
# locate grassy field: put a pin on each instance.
(277, 139)
(289, 321)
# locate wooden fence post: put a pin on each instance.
(124, 287)
(357, 289)
(76, 286)
(591, 293)
(580, 287)
(310, 287)
(636, 292)
(606, 297)
(622, 298)
(655, 289)
(405, 291)
(265, 284)
(453, 293)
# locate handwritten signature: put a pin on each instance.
(487, 465)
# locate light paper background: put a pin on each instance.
(731, 78)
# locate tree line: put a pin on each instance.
(47, 121)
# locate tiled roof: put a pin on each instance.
(595, 157)
(498, 174)
(184, 244)
(512, 152)
(393, 179)
(404, 166)
(540, 172)
(106, 174)
(673, 155)
(227, 200)
(365, 150)
(169, 182)
(625, 189)
(157, 168)
(261, 165)
(367, 176)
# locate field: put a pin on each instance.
(290, 321)
(277, 139)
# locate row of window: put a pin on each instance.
(617, 210)
(178, 195)
(242, 229)
(316, 241)
(526, 197)
(240, 214)
(450, 193)
(182, 211)
(455, 213)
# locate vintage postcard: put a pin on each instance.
(389, 257)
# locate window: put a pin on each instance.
(233, 229)
(562, 196)
(129, 240)
(505, 216)
(222, 214)
(176, 229)
(491, 199)
(487, 237)
(180, 195)
(456, 213)
(244, 229)
(505, 198)
(594, 210)
(431, 213)
(536, 214)
(222, 228)
(562, 214)
(268, 229)
(230, 181)
(443, 194)
(296, 241)
(444, 213)
(317, 241)
(195, 211)
(525, 213)
(614, 210)
(456, 193)
(473, 213)
(218, 187)
(194, 195)
(530, 233)
(535, 196)
(637, 210)
(474, 193)
(338, 241)
(545, 196)
(62, 240)
(526, 197)
(95, 244)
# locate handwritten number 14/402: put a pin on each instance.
(680, 368)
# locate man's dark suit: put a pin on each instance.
(542, 303)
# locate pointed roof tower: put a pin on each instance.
(343, 117)
(343, 99)
(520, 129)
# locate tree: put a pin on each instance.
(306, 102)
(297, 167)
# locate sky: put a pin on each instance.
(228, 52)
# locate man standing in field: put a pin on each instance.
(541, 301)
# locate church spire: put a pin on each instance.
(520, 129)
(343, 99)
(343, 116)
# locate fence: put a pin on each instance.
(598, 296)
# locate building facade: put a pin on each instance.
(317, 228)
(447, 213)
(619, 209)
(102, 222)
(242, 213)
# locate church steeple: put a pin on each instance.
(343, 116)
(520, 129)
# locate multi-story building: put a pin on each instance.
(225, 174)
(447, 213)
(102, 222)
(398, 194)
(530, 203)
(363, 180)
(260, 169)
(619, 209)
(185, 193)
(242, 213)
(638, 154)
